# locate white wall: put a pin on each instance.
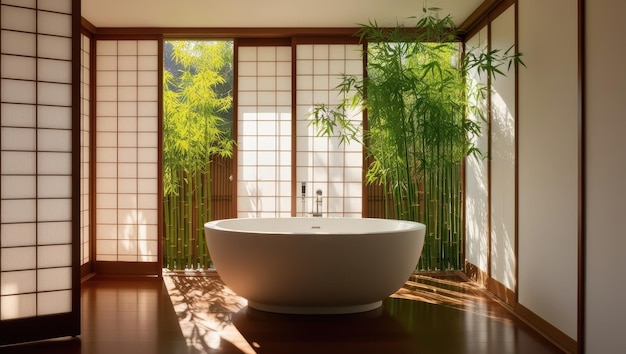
(606, 175)
(490, 182)
(548, 161)
(502, 159)
(476, 176)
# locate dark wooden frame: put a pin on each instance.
(64, 324)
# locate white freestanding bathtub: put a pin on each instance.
(314, 265)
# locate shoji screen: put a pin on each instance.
(502, 158)
(39, 278)
(477, 171)
(323, 163)
(264, 132)
(127, 143)
(85, 141)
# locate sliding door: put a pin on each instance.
(264, 157)
(127, 128)
(39, 167)
(283, 167)
(332, 170)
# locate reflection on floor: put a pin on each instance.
(198, 314)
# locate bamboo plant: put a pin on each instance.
(194, 131)
(417, 102)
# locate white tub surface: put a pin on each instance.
(314, 265)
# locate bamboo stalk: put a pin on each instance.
(189, 227)
(199, 215)
(207, 209)
(201, 220)
(181, 225)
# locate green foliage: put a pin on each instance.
(417, 101)
(196, 100)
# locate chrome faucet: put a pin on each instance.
(303, 193)
(318, 203)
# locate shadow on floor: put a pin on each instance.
(430, 314)
(368, 332)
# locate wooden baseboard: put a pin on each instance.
(476, 274)
(509, 299)
(128, 268)
(552, 333)
(500, 291)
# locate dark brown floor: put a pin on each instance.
(196, 314)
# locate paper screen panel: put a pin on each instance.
(127, 136)
(323, 163)
(264, 132)
(35, 164)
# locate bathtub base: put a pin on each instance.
(315, 310)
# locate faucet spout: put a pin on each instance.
(303, 194)
(318, 203)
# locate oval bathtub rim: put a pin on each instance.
(214, 225)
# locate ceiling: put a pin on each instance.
(265, 13)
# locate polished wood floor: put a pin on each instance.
(198, 314)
